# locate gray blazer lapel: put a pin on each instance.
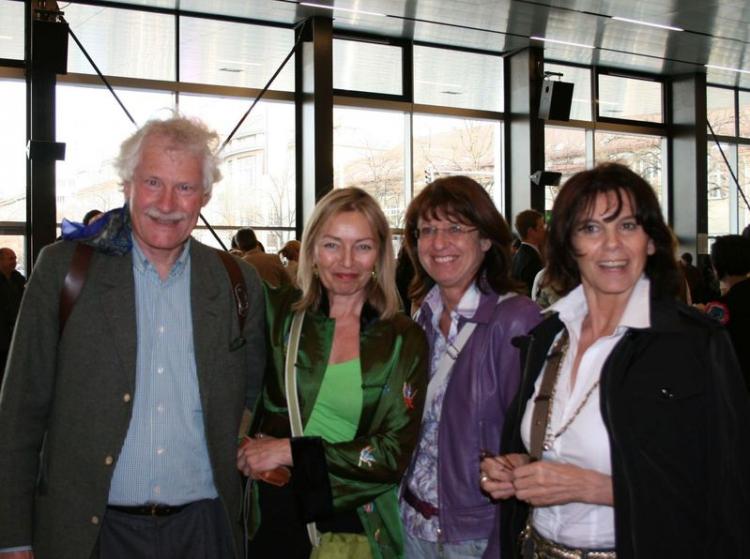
(206, 277)
(115, 275)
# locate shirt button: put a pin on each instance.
(160, 370)
(161, 329)
(109, 460)
(161, 451)
(160, 408)
(157, 490)
(126, 397)
(94, 520)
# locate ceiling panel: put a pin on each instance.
(716, 31)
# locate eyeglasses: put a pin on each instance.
(453, 231)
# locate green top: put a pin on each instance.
(338, 406)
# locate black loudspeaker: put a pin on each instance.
(49, 46)
(546, 178)
(45, 151)
(556, 100)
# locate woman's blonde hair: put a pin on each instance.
(382, 294)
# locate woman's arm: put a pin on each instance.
(545, 483)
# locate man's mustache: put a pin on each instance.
(171, 216)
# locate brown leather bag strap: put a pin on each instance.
(238, 286)
(74, 280)
(543, 400)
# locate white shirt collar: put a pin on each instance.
(466, 307)
(574, 308)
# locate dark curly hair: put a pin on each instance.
(577, 198)
(463, 200)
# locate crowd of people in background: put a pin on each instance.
(572, 391)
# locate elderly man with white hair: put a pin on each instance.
(136, 350)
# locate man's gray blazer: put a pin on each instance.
(66, 403)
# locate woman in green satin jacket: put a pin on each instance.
(361, 378)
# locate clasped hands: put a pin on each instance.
(543, 482)
(266, 458)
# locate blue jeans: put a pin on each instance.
(415, 548)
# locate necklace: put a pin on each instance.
(549, 436)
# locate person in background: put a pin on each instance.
(515, 244)
(630, 435)
(118, 425)
(469, 309)
(12, 284)
(404, 277)
(269, 266)
(91, 216)
(361, 368)
(694, 278)
(527, 261)
(542, 293)
(730, 256)
(290, 252)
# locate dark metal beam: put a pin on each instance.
(689, 165)
(45, 62)
(524, 131)
(314, 115)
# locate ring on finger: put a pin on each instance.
(484, 477)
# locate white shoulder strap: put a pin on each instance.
(292, 399)
(290, 381)
(445, 365)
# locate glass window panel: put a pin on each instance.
(719, 187)
(564, 152)
(361, 66)
(453, 78)
(745, 114)
(580, 108)
(630, 98)
(368, 152)
(16, 244)
(11, 29)
(259, 163)
(743, 211)
(235, 54)
(93, 126)
(125, 43)
(444, 146)
(13, 150)
(642, 154)
(720, 110)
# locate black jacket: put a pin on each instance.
(678, 416)
(11, 292)
(526, 265)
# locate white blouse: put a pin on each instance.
(585, 442)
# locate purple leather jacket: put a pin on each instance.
(482, 385)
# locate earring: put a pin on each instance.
(315, 270)
(374, 275)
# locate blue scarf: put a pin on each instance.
(110, 234)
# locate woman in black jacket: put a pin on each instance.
(629, 436)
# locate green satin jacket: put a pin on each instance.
(364, 473)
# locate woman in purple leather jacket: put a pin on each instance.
(459, 244)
